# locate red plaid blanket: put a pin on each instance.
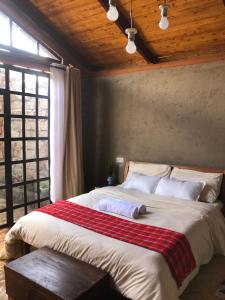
(172, 245)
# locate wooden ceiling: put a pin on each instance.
(197, 28)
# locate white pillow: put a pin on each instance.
(179, 189)
(213, 182)
(142, 183)
(149, 169)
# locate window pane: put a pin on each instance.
(43, 149)
(1, 104)
(30, 83)
(43, 169)
(18, 213)
(16, 127)
(2, 77)
(3, 218)
(18, 195)
(23, 41)
(30, 106)
(31, 207)
(2, 151)
(15, 81)
(17, 150)
(31, 171)
(43, 86)
(17, 173)
(43, 107)
(16, 104)
(31, 192)
(1, 127)
(44, 189)
(4, 30)
(30, 127)
(45, 53)
(2, 175)
(2, 199)
(30, 149)
(43, 128)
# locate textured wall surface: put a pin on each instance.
(174, 115)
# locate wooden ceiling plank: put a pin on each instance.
(123, 24)
(28, 17)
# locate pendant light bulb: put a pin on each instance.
(164, 23)
(112, 13)
(131, 47)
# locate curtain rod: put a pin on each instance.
(58, 66)
(61, 66)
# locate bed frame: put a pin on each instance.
(200, 169)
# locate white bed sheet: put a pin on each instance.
(138, 273)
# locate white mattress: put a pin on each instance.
(138, 273)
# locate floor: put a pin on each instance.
(203, 287)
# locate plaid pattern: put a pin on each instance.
(172, 245)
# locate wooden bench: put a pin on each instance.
(46, 274)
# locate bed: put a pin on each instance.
(138, 273)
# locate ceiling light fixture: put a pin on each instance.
(131, 47)
(164, 23)
(112, 13)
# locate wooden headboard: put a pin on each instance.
(200, 169)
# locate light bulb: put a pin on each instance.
(164, 23)
(131, 47)
(112, 13)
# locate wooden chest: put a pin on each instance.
(46, 274)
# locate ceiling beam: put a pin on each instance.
(123, 24)
(35, 23)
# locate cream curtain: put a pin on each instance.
(66, 169)
(73, 182)
(57, 143)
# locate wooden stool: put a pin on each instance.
(46, 274)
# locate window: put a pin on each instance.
(24, 142)
(13, 37)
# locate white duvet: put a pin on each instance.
(138, 273)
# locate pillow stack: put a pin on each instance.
(180, 183)
(144, 177)
(212, 182)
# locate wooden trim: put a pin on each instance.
(123, 24)
(35, 23)
(162, 65)
(199, 169)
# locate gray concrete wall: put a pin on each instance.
(174, 115)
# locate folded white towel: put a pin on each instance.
(121, 207)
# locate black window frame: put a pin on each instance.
(7, 139)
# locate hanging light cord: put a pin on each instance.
(131, 13)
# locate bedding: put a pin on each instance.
(212, 182)
(172, 245)
(138, 273)
(186, 190)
